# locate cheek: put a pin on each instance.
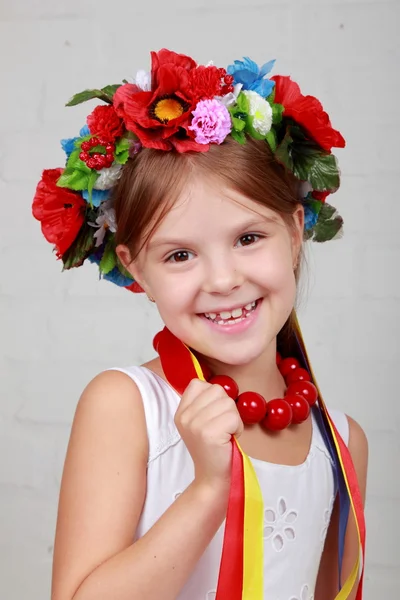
(275, 270)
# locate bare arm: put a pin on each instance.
(327, 583)
(101, 499)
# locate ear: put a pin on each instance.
(298, 230)
(132, 266)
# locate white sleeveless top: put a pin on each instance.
(298, 500)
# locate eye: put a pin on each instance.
(248, 239)
(180, 256)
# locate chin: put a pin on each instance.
(237, 354)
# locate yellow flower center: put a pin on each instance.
(166, 109)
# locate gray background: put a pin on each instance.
(58, 330)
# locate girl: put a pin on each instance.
(198, 186)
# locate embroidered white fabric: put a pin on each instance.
(298, 500)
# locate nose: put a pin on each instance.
(222, 275)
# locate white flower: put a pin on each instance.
(230, 99)
(261, 112)
(108, 177)
(143, 80)
(104, 221)
(279, 525)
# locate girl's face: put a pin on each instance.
(221, 270)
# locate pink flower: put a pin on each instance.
(211, 122)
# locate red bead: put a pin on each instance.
(230, 386)
(304, 388)
(84, 156)
(85, 146)
(279, 415)
(299, 374)
(91, 163)
(252, 407)
(300, 408)
(94, 141)
(110, 147)
(287, 365)
(229, 79)
(156, 340)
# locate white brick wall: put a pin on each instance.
(346, 53)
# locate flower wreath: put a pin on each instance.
(184, 107)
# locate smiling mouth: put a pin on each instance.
(233, 316)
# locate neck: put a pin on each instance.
(260, 375)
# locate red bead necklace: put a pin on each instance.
(279, 413)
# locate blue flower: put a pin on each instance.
(98, 196)
(248, 73)
(115, 275)
(310, 217)
(68, 145)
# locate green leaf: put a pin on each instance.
(80, 249)
(109, 258)
(111, 89)
(238, 124)
(106, 94)
(283, 153)
(253, 132)
(242, 103)
(271, 97)
(307, 161)
(271, 139)
(74, 179)
(239, 136)
(329, 224)
(277, 112)
(75, 163)
(122, 151)
(122, 269)
(92, 180)
(317, 167)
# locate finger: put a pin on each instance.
(200, 417)
(209, 397)
(222, 428)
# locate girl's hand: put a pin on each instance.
(206, 419)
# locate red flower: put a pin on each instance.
(160, 118)
(308, 112)
(135, 287)
(60, 211)
(207, 82)
(320, 195)
(105, 123)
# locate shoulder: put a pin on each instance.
(358, 448)
(111, 404)
(358, 441)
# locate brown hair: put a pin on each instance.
(153, 180)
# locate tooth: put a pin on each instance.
(249, 306)
(212, 315)
(237, 313)
(225, 315)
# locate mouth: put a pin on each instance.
(234, 316)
